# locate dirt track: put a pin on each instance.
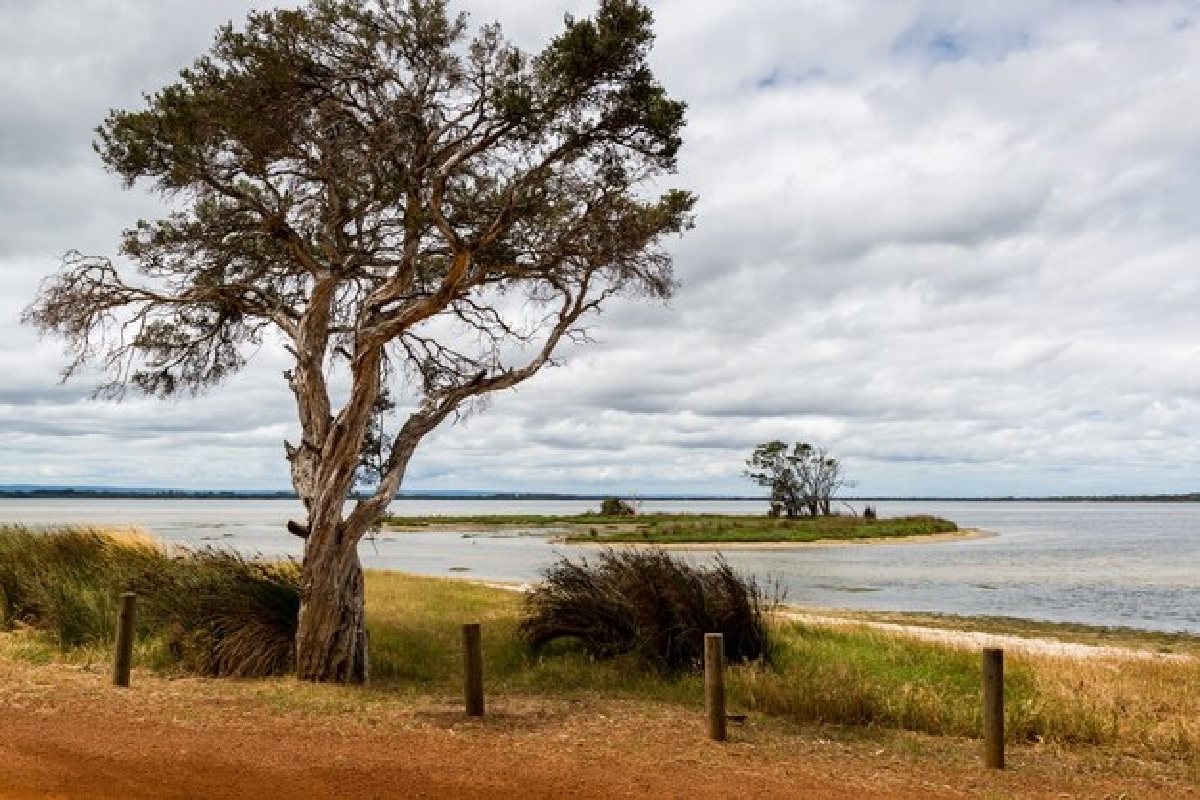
(73, 751)
(67, 733)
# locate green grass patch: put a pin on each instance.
(501, 521)
(690, 528)
(703, 529)
(416, 624)
(208, 611)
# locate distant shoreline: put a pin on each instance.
(68, 493)
(962, 534)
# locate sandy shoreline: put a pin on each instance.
(975, 640)
(559, 534)
(963, 534)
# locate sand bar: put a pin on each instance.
(963, 534)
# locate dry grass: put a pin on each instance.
(130, 537)
(211, 611)
(1145, 709)
(1148, 707)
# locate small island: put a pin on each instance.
(801, 509)
(690, 529)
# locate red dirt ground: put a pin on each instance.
(65, 733)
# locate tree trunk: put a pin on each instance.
(331, 636)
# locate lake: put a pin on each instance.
(1128, 564)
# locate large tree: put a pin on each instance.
(419, 213)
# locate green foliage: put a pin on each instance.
(616, 507)
(388, 122)
(713, 529)
(212, 612)
(649, 605)
(803, 481)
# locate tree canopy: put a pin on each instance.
(802, 481)
(429, 211)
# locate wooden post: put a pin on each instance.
(473, 664)
(124, 655)
(714, 685)
(993, 708)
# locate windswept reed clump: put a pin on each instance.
(209, 611)
(650, 605)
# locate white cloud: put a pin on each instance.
(952, 242)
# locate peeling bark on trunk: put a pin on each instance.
(331, 637)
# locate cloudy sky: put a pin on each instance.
(956, 243)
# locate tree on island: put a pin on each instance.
(404, 207)
(802, 482)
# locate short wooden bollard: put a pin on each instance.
(473, 665)
(714, 685)
(123, 659)
(993, 708)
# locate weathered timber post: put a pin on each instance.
(473, 665)
(123, 659)
(714, 685)
(993, 708)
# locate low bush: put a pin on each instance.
(650, 605)
(209, 611)
(616, 507)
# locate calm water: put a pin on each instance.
(1134, 564)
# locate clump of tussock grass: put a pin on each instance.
(65, 581)
(209, 611)
(224, 614)
(649, 605)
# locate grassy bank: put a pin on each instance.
(210, 611)
(843, 676)
(690, 528)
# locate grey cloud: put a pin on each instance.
(964, 262)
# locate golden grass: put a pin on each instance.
(129, 536)
(1151, 707)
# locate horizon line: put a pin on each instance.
(483, 494)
